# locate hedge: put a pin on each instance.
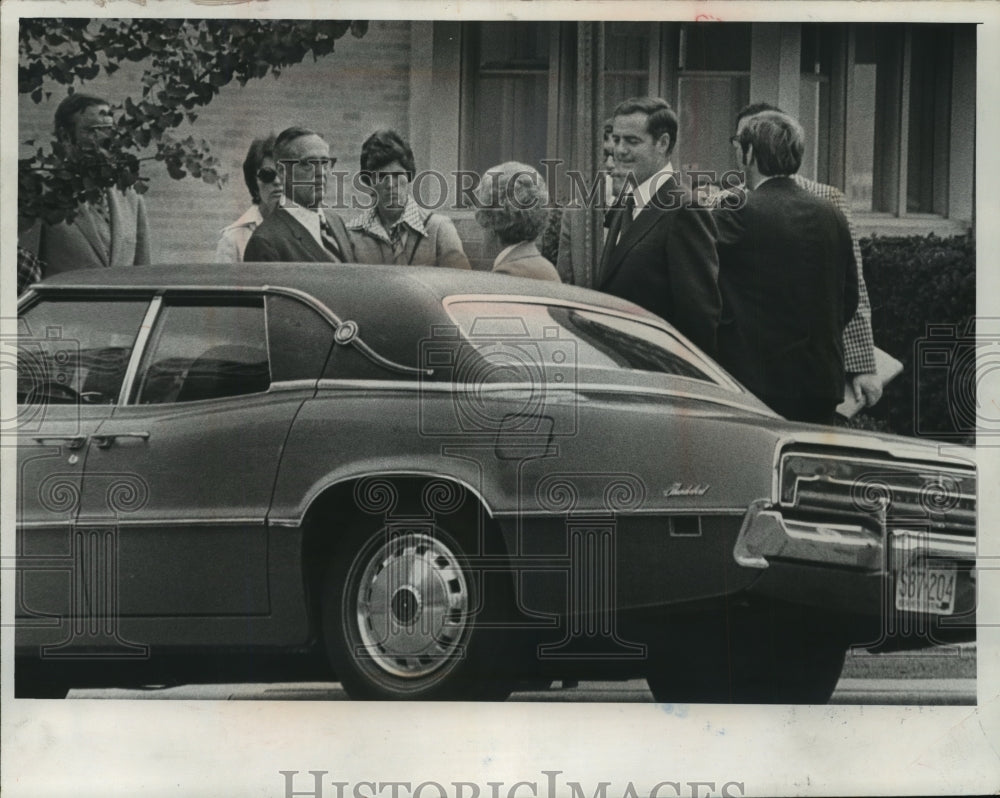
(923, 296)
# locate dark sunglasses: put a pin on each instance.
(267, 175)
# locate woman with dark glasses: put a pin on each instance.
(264, 182)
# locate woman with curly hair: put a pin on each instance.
(512, 199)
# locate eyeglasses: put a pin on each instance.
(323, 164)
(267, 175)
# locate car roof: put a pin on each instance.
(337, 284)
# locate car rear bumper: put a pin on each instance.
(855, 569)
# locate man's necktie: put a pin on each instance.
(397, 239)
(618, 219)
(628, 207)
(329, 241)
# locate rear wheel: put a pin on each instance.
(405, 617)
(774, 657)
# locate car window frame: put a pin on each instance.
(165, 298)
(38, 294)
(155, 297)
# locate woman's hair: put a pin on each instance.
(380, 149)
(513, 197)
(259, 150)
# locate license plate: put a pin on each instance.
(927, 590)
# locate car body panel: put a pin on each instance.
(632, 489)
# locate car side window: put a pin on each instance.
(205, 349)
(76, 351)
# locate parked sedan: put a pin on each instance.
(444, 484)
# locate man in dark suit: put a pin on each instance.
(660, 248)
(788, 279)
(859, 342)
(301, 229)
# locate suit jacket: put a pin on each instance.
(524, 260)
(79, 245)
(789, 285)
(666, 262)
(280, 237)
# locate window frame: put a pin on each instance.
(170, 299)
(33, 297)
(891, 155)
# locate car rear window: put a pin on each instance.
(600, 341)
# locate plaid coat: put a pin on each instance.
(859, 343)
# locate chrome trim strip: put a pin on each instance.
(805, 483)
(905, 541)
(766, 533)
(646, 511)
(27, 297)
(723, 379)
(903, 453)
(293, 521)
(353, 339)
(292, 385)
(280, 290)
(138, 349)
(120, 522)
(479, 390)
(123, 521)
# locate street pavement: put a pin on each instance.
(849, 691)
(934, 676)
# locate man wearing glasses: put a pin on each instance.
(301, 229)
(113, 231)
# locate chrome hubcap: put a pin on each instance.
(412, 605)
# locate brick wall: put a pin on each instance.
(364, 84)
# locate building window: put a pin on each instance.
(898, 110)
(930, 113)
(627, 49)
(713, 83)
(816, 66)
(507, 96)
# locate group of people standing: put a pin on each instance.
(289, 220)
(767, 278)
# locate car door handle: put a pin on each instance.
(105, 441)
(71, 441)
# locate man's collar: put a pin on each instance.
(645, 191)
(764, 179)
